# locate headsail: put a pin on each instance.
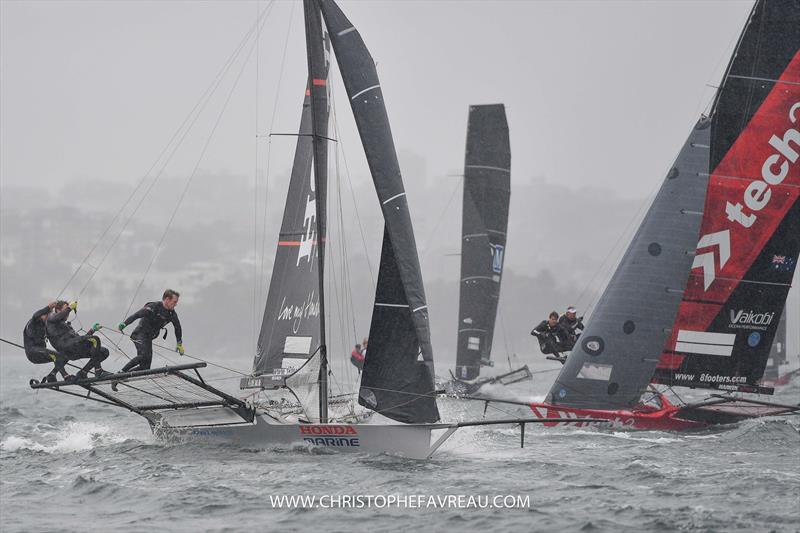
(397, 380)
(615, 358)
(487, 185)
(290, 327)
(749, 239)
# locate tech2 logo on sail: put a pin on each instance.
(744, 213)
(330, 435)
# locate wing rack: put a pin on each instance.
(154, 390)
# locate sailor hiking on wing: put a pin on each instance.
(34, 339)
(153, 317)
(72, 345)
(553, 337)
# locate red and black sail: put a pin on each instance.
(749, 237)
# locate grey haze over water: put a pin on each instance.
(599, 95)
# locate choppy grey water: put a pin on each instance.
(69, 465)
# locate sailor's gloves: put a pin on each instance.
(74, 306)
(121, 326)
(179, 348)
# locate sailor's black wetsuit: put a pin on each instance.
(71, 344)
(152, 318)
(34, 338)
(571, 327)
(551, 338)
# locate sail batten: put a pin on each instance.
(397, 379)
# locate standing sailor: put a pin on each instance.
(34, 338)
(152, 319)
(72, 345)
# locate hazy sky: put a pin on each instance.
(596, 92)
(600, 96)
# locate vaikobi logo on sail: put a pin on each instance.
(750, 319)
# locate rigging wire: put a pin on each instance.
(352, 190)
(429, 241)
(201, 104)
(262, 283)
(192, 175)
(255, 187)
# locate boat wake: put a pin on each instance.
(72, 437)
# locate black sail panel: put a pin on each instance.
(767, 45)
(396, 383)
(617, 353)
(290, 327)
(749, 239)
(487, 185)
(399, 255)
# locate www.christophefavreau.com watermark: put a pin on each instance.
(400, 501)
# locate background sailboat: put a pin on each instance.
(487, 190)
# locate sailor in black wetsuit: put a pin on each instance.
(552, 336)
(152, 318)
(73, 345)
(573, 325)
(34, 338)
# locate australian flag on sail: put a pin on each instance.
(782, 263)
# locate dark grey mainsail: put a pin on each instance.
(290, 328)
(397, 380)
(487, 188)
(616, 356)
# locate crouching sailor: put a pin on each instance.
(72, 345)
(553, 338)
(34, 338)
(152, 319)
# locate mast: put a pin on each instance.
(319, 122)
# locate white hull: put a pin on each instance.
(221, 425)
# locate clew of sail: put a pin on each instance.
(289, 340)
(749, 238)
(487, 188)
(397, 380)
(616, 355)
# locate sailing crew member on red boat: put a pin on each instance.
(153, 317)
(571, 324)
(552, 335)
